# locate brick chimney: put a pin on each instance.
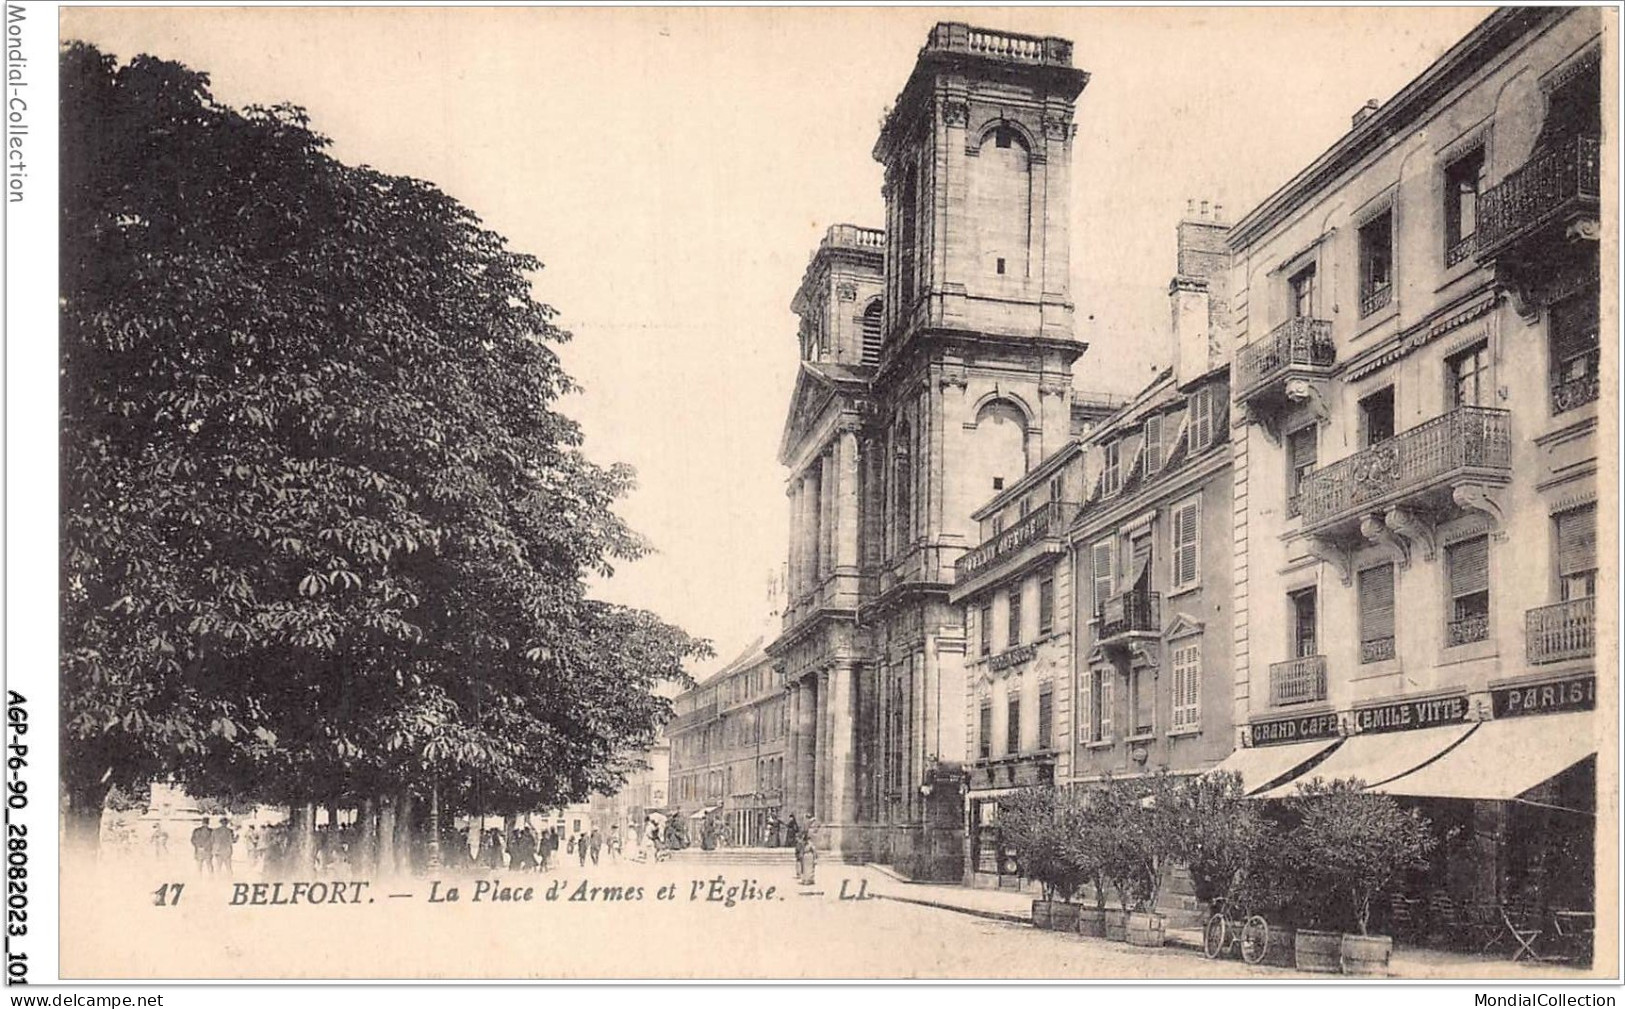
(1199, 293)
(1366, 111)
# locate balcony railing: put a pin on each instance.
(852, 236)
(1561, 631)
(1376, 299)
(1297, 343)
(1376, 650)
(1574, 392)
(1047, 520)
(1466, 630)
(1131, 612)
(1555, 181)
(1468, 440)
(956, 37)
(1299, 681)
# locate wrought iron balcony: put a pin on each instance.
(1300, 681)
(1376, 649)
(1554, 187)
(1562, 631)
(1418, 468)
(1577, 391)
(1041, 531)
(1298, 348)
(1466, 630)
(1128, 616)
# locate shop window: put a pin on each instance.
(1463, 181)
(1577, 553)
(1376, 593)
(1468, 566)
(1377, 417)
(1187, 675)
(1376, 264)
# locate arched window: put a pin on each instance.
(871, 332)
(1001, 203)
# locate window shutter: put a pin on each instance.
(1105, 705)
(1201, 420)
(986, 738)
(1046, 713)
(1470, 567)
(1577, 542)
(1186, 548)
(1377, 603)
(1153, 444)
(1086, 708)
(1102, 572)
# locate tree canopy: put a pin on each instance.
(324, 530)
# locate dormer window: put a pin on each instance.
(1110, 477)
(1153, 445)
(1201, 421)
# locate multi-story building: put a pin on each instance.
(728, 739)
(1415, 485)
(908, 411)
(1098, 600)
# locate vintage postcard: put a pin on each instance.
(811, 494)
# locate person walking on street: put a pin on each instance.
(595, 845)
(159, 842)
(203, 846)
(807, 855)
(224, 841)
(581, 848)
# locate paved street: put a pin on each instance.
(632, 932)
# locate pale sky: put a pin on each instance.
(675, 168)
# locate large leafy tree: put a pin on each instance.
(324, 531)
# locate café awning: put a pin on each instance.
(1503, 759)
(1263, 766)
(1377, 757)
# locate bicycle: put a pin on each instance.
(1248, 934)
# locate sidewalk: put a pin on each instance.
(1016, 908)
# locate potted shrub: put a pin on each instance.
(1083, 841)
(1354, 844)
(1231, 852)
(1143, 815)
(1031, 824)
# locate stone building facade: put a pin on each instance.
(1415, 483)
(906, 416)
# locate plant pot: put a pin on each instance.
(1146, 928)
(1367, 955)
(1043, 914)
(1116, 926)
(1064, 916)
(1091, 923)
(1280, 952)
(1321, 952)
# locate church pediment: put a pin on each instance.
(819, 389)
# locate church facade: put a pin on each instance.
(937, 360)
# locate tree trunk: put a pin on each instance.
(332, 815)
(367, 841)
(386, 836)
(403, 833)
(508, 822)
(434, 827)
(302, 838)
(82, 822)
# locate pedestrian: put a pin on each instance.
(223, 842)
(159, 841)
(615, 843)
(792, 832)
(255, 842)
(203, 846)
(581, 848)
(595, 844)
(524, 850)
(807, 855)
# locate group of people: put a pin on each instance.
(213, 848)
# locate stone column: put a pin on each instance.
(843, 792)
(805, 753)
(792, 750)
(828, 522)
(846, 507)
(821, 761)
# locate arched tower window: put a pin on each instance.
(1001, 207)
(871, 332)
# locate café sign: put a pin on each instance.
(1575, 694)
(1411, 714)
(1295, 730)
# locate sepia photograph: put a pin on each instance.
(809, 494)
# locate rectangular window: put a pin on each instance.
(1304, 639)
(1139, 562)
(1377, 613)
(1186, 525)
(1302, 290)
(1201, 424)
(1377, 417)
(1577, 553)
(1012, 725)
(1153, 444)
(1100, 705)
(1572, 326)
(986, 619)
(1142, 699)
(1055, 488)
(1302, 455)
(1046, 605)
(1470, 376)
(998, 526)
(1101, 558)
(1187, 667)
(1015, 617)
(1026, 506)
(1046, 718)
(1109, 476)
(1462, 182)
(1376, 264)
(985, 730)
(1468, 564)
